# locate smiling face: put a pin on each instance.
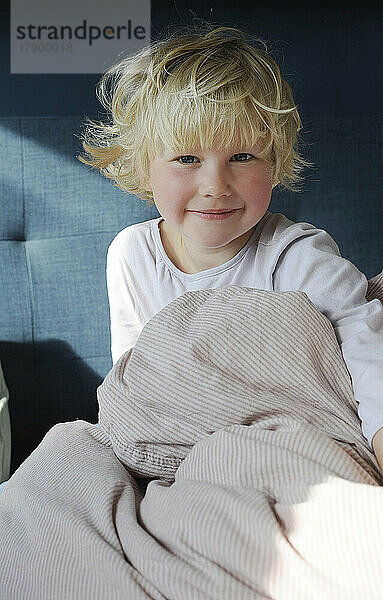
(211, 199)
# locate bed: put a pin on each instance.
(55, 355)
(212, 473)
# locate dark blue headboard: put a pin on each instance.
(58, 218)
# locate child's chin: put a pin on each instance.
(213, 242)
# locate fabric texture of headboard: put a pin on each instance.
(58, 218)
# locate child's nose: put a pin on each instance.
(215, 182)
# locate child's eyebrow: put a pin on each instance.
(238, 149)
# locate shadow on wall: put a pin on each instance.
(48, 383)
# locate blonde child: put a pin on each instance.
(203, 125)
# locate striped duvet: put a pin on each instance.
(229, 464)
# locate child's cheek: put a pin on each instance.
(258, 189)
(182, 190)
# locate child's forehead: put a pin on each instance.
(207, 126)
(238, 145)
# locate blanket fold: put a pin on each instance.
(217, 357)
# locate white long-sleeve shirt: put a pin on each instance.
(280, 256)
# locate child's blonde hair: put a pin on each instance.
(209, 89)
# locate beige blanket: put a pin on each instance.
(229, 464)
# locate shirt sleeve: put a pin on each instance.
(312, 264)
(125, 322)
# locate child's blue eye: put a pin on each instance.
(185, 163)
(243, 154)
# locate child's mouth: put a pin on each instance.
(218, 214)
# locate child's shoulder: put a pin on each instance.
(138, 232)
(279, 229)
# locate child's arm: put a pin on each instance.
(377, 446)
(125, 322)
(312, 263)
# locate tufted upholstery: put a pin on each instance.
(58, 218)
